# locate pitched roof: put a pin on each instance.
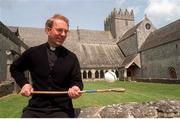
(14, 30)
(129, 60)
(94, 36)
(100, 55)
(130, 32)
(93, 48)
(133, 30)
(163, 35)
(32, 36)
(4, 30)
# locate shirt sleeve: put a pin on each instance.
(19, 66)
(76, 79)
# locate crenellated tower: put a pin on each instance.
(118, 22)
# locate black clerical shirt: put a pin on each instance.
(63, 74)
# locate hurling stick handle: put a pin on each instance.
(83, 91)
(49, 92)
(61, 92)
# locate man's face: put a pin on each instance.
(58, 33)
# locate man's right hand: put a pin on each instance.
(26, 90)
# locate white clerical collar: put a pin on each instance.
(52, 48)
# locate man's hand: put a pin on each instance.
(73, 92)
(26, 90)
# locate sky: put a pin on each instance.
(86, 14)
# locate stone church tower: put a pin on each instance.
(118, 22)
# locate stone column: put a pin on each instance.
(125, 74)
(98, 74)
(93, 74)
(82, 74)
(104, 71)
(86, 74)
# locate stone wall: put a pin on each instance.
(129, 45)
(157, 61)
(6, 88)
(8, 42)
(118, 22)
(158, 109)
(168, 81)
(143, 32)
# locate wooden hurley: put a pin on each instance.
(83, 91)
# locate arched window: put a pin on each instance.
(84, 75)
(89, 74)
(96, 74)
(172, 73)
(101, 74)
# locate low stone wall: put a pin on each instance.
(6, 88)
(168, 81)
(159, 109)
(151, 80)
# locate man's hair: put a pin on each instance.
(49, 22)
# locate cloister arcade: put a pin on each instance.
(96, 73)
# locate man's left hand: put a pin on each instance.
(73, 92)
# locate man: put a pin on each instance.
(52, 68)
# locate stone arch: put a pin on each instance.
(89, 74)
(101, 74)
(172, 73)
(97, 74)
(84, 75)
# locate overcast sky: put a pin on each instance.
(86, 14)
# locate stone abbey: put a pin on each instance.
(132, 51)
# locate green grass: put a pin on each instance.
(12, 105)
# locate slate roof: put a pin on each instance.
(163, 35)
(94, 49)
(32, 36)
(130, 32)
(4, 30)
(100, 55)
(128, 60)
(94, 36)
(14, 30)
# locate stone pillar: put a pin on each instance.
(104, 71)
(98, 74)
(125, 74)
(8, 63)
(86, 74)
(93, 73)
(82, 74)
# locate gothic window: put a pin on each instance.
(148, 26)
(101, 74)
(84, 75)
(172, 73)
(96, 74)
(89, 74)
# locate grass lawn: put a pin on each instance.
(12, 105)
